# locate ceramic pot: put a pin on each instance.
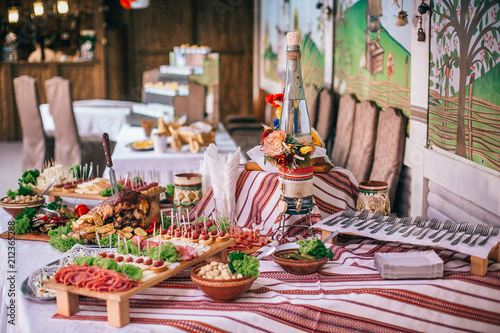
(297, 189)
(373, 196)
(187, 190)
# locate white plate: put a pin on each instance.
(409, 259)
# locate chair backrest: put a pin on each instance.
(312, 96)
(34, 144)
(259, 106)
(325, 115)
(343, 134)
(360, 158)
(389, 148)
(192, 105)
(67, 141)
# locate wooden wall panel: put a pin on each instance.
(83, 85)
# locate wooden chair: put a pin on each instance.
(69, 148)
(38, 146)
(235, 122)
(344, 129)
(192, 105)
(360, 158)
(389, 148)
(325, 115)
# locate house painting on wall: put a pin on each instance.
(464, 82)
(372, 52)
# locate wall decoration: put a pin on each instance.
(277, 17)
(464, 103)
(372, 51)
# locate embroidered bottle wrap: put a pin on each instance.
(373, 196)
(297, 188)
(187, 190)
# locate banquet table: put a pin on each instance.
(94, 117)
(348, 294)
(168, 164)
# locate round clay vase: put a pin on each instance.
(187, 190)
(373, 196)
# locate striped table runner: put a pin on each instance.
(347, 295)
(258, 193)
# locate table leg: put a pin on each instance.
(325, 234)
(118, 312)
(479, 266)
(220, 256)
(67, 303)
(53, 198)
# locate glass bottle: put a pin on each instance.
(294, 115)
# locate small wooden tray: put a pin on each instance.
(29, 236)
(317, 168)
(56, 195)
(478, 266)
(118, 303)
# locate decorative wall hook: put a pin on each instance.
(420, 32)
(423, 8)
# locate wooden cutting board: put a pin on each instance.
(317, 168)
(29, 236)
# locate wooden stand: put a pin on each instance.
(54, 196)
(118, 303)
(478, 266)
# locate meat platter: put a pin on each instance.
(118, 302)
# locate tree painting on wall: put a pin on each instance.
(464, 104)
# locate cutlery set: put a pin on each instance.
(416, 227)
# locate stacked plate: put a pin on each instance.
(409, 265)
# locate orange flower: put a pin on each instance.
(270, 99)
(283, 159)
(273, 143)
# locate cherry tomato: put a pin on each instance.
(81, 210)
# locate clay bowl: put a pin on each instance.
(221, 290)
(15, 209)
(298, 267)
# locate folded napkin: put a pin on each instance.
(223, 176)
(257, 156)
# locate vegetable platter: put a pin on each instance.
(118, 302)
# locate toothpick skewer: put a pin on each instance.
(98, 240)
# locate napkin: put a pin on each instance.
(258, 157)
(223, 176)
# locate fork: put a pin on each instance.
(469, 231)
(389, 221)
(377, 220)
(418, 232)
(494, 232)
(396, 226)
(417, 221)
(476, 231)
(362, 216)
(347, 213)
(452, 228)
(483, 232)
(420, 224)
(462, 227)
(446, 226)
(433, 225)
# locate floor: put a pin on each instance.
(10, 165)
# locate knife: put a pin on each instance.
(333, 234)
(109, 162)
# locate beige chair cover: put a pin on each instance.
(325, 115)
(35, 146)
(360, 158)
(389, 148)
(67, 149)
(343, 134)
(192, 105)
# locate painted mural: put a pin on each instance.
(372, 51)
(276, 19)
(464, 83)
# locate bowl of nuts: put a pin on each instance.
(217, 281)
(15, 206)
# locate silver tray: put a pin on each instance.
(26, 291)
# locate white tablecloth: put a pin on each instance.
(94, 117)
(166, 165)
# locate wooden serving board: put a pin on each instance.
(317, 168)
(56, 195)
(118, 303)
(29, 236)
